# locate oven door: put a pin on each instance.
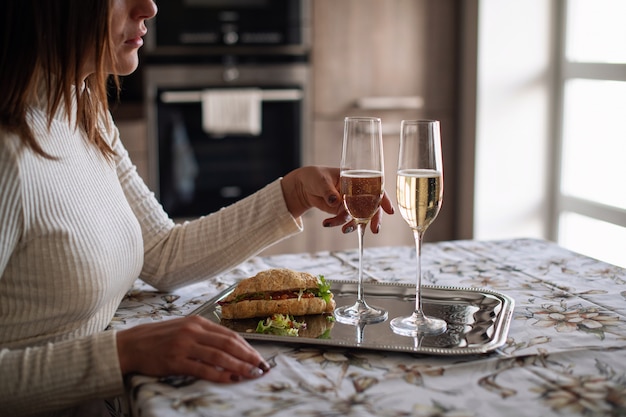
(195, 171)
(201, 170)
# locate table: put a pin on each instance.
(565, 353)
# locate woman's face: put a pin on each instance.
(127, 29)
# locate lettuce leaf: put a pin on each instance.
(323, 288)
(280, 325)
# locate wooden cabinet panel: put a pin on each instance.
(133, 134)
(364, 48)
(391, 48)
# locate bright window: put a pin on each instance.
(582, 234)
(594, 141)
(596, 31)
(590, 206)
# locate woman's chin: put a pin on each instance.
(127, 67)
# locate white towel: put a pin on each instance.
(232, 111)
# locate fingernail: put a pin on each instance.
(326, 224)
(255, 372)
(349, 229)
(264, 366)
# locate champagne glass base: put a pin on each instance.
(360, 313)
(415, 325)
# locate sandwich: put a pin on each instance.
(278, 291)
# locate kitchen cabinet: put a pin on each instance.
(398, 50)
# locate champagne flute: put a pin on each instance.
(419, 194)
(362, 183)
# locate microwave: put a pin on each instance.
(197, 27)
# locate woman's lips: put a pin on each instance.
(134, 42)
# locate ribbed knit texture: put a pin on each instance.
(75, 233)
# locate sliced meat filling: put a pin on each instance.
(273, 295)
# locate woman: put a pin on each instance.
(78, 225)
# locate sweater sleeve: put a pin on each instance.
(179, 254)
(60, 375)
(56, 375)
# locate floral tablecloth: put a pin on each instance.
(565, 353)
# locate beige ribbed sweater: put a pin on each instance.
(75, 233)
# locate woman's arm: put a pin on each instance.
(59, 375)
(179, 254)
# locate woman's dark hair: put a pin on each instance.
(49, 43)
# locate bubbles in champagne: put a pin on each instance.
(419, 193)
(362, 192)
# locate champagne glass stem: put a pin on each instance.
(360, 313)
(418, 324)
(418, 258)
(360, 227)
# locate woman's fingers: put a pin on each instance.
(220, 366)
(226, 349)
(386, 204)
(189, 346)
(349, 225)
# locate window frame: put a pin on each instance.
(566, 70)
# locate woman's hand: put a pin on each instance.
(191, 346)
(313, 186)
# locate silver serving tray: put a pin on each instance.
(478, 320)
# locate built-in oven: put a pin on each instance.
(199, 26)
(218, 133)
(226, 91)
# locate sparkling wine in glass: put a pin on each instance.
(362, 184)
(420, 194)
